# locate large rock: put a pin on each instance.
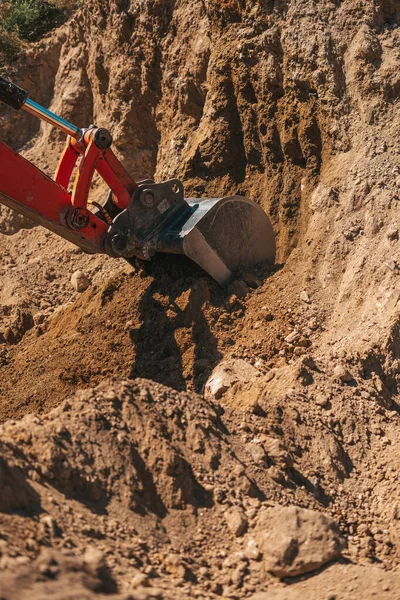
(226, 374)
(295, 540)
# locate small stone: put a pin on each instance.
(22, 560)
(275, 474)
(236, 520)
(251, 550)
(269, 375)
(260, 364)
(291, 337)
(257, 452)
(302, 341)
(95, 561)
(277, 451)
(252, 280)
(239, 288)
(173, 564)
(218, 495)
(392, 265)
(231, 302)
(80, 281)
(266, 314)
(392, 233)
(321, 400)
(139, 580)
(309, 362)
(340, 372)
(49, 524)
(304, 297)
(299, 351)
(313, 324)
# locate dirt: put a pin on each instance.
(294, 104)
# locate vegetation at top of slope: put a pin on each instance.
(24, 21)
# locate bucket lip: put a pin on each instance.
(224, 199)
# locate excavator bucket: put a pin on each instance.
(225, 236)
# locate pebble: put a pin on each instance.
(313, 324)
(309, 362)
(276, 474)
(340, 372)
(236, 520)
(393, 233)
(304, 297)
(251, 550)
(257, 452)
(239, 288)
(291, 337)
(392, 265)
(80, 281)
(321, 400)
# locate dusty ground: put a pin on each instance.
(294, 104)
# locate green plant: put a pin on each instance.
(23, 21)
(30, 19)
(10, 45)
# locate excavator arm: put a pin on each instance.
(222, 235)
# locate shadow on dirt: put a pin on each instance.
(173, 321)
(16, 493)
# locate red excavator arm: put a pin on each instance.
(29, 191)
(223, 235)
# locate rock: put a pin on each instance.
(257, 452)
(239, 288)
(236, 520)
(55, 575)
(275, 474)
(302, 341)
(11, 221)
(139, 580)
(392, 265)
(232, 302)
(251, 280)
(313, 324)
(304, 297)
(226, 374)
(392, 233)
(321, 400)
(309, 362)
(251, 550)
(80, 281)
(340, 372)
(295, 540)
(291, 337)
(277, 451)
(246, 396)
(173, 564)
(95, 562)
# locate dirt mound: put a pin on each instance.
(141, 475)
